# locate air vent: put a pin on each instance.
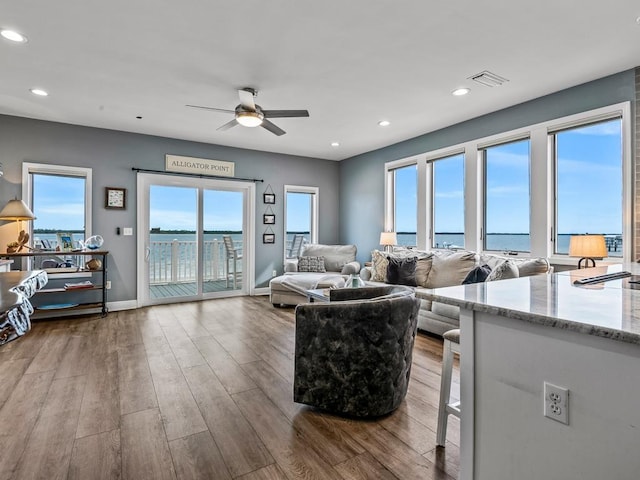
(488, 79)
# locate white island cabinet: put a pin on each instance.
(518, 334)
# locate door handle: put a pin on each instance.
(147, 254)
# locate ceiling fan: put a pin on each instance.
(249, 114)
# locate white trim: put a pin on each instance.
(122, 305)
(261, 291)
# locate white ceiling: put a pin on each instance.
(351, 63)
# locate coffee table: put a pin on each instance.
(318, 295)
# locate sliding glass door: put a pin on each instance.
(195, 240)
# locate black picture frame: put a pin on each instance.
(269, 198)
(268, 238)
(269, 219)
(115, 198)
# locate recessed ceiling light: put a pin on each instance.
(460, 91)
(335, 144)
(13, 36)
(39, 92)
(384, 123)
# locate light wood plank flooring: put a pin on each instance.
(199, 391)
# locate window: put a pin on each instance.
(405, 187)
(506, 195)
(301, 218)
(524, 191)
(448, 202)
(60, 198)
(588, 160)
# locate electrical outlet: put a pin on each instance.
(108, 285)
(556, 403)
(274, 273)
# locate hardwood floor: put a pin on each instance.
(199, 391)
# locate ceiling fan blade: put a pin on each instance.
(212, 108)
(227, 125)
(285, 113)
(246, 100)
(272, 128)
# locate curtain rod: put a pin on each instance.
(199, 175)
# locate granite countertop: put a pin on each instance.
(610, 309)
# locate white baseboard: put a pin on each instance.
(261, 291)
(123, 305)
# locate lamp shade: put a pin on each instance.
(388, 238)
(587, 246)
(16, 210)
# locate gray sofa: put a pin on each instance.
(444, 268)
(339, 262)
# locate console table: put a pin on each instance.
(72, 275)
(15, 309)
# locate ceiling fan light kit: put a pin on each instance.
(248, 114)
(250, 119)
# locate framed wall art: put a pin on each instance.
(269, 198)
(269, 219)
(268, 238)
(115, 198)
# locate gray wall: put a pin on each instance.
(362, 176)
(112, 154)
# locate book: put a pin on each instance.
(78, 285)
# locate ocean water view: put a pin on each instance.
(518, 242)
(495, 242)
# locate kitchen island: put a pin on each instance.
(518, 334)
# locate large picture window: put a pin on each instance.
(60, 198)
(448, 202)
(301, 218)
(507, 200)
(406, 204)
(589, 183)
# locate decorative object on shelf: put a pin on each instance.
(17, 211)
(388, 240)
(588, 247)
(65, 241)
(93, 264)
(269, 196)
(94, 242)
(354, 281)
(115, 198)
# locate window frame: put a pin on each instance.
(315, 192)
(390, 195)
(29, 168)
(541, 184)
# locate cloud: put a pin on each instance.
(601, 129)
(62, 209)
(450, 194)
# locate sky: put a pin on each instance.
(589, 186)
(589, 198)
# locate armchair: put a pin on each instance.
(353, 354)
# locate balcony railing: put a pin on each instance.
(177, 261)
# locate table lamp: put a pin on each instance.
(388, 240)
(587, 247)
(16, 210)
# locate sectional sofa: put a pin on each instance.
(444, 268)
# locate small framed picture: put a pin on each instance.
(115, 198)
(268, 238)
(269, 198)
(65, 241)
(269, 219)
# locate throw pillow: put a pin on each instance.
(379, 263)
(506, 269)
(402, 271)
(477, 275)
(450, 268)
(311, 264)
(423, 267)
